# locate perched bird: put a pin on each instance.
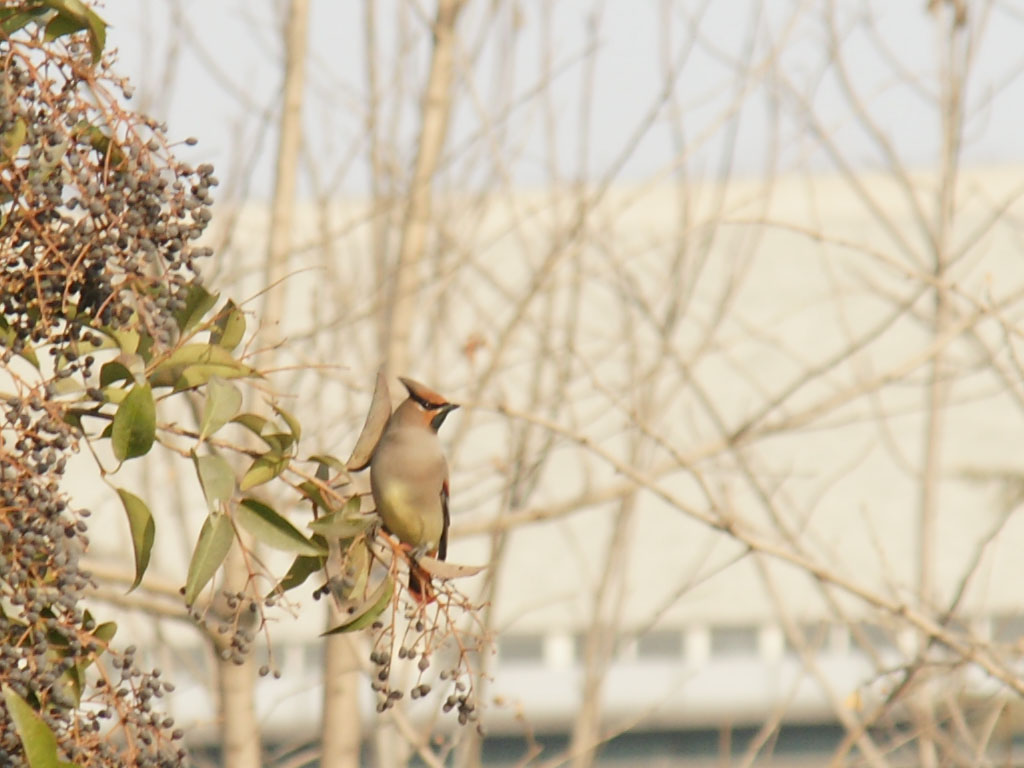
(409, 477)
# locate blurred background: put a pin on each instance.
(732, 296)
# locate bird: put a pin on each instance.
(409, 478)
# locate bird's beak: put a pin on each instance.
(441, 415)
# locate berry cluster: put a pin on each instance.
(232, 620)
(98, 231)
(424, 635)
(55, 654)
(99, 222)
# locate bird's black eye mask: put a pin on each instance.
(425, 404)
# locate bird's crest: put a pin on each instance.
(423, 394)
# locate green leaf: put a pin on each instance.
(13, 20)
(264, 468)
(101, 141)
(36, 737)
(66, 386)
(11, 141)
(113, 395)
(216, 477)
(7, 338)
(195, 364)
(29, 353)
(73, 417)
(279, 442)
(353, 507)
(143, 530)
(252, 422)
(61, 25)
(105, 633)
(311, 491)
(73, 682)
(222, 403)
(74, 9)
(127, 340)
(302, 568)
(115, 370)
(273, 530)
(145, 349)
(211, 549)
(77, 11)
(50, 165)
(96, 344)
(97, 34)
(326, 461)
(355, 562)
(229, 327)
(134, 427)
(197, 375)
(293, 424)
(343, 524)
(198, 302)
(74, 678)
(364, 615)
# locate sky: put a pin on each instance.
(213, 71)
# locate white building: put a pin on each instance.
(795, 272)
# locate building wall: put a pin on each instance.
(701, 639)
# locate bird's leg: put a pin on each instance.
(380, 531)
(415, 553)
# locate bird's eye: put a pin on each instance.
(426, 405)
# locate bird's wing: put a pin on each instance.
(442, 547)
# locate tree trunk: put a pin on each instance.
(288, 147)
(342, 731)
(937, 396)
(436, 109)
(240, 732)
